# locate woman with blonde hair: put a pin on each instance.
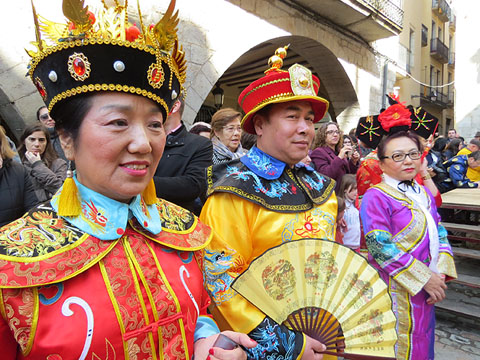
(226, 135)
(330, 156)
(16, 189)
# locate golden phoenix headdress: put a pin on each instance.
(104, 51)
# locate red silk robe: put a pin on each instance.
(67, 295)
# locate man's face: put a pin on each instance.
(287, 132)
(452, 134)
(45, 119)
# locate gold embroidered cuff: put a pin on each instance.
(446, 265)
(414, 278)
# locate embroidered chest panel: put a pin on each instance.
(37, 234)
(295, 190)
(411, 235)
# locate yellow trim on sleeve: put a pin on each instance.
(33, 326)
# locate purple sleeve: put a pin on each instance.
(333, 167)
(377, 217)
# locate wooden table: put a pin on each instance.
(462, 199)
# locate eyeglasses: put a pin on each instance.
(332, 132)
(45, 116)
(397, 157)
(232, 129)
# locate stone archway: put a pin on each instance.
(335, 83)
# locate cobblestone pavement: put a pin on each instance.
(454, 341)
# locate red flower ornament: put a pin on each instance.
(395, 115)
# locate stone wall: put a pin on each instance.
(214, 34)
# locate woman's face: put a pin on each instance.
(230, 134)
(332, 135)
(346, 141)
(119, 145)
(401, 170)
(36, 142)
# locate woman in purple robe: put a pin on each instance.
(407, 244)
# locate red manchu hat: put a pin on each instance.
(278, 86)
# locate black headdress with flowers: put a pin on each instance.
(397, 117)
(103, 51)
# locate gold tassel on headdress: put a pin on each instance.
(68, 201)
(150, 194)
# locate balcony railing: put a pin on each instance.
(451, 58)
(388, 9)
(442, 9)
(433, 96)
(439, 51)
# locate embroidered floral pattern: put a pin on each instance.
(36, 234)
(94, 216)
(219, 275)
(263, 163)
(174, 217)
(276, 190)
(314, 182)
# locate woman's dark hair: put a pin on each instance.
(38, 111)
(69, 114)
(454, 146)
(49, 155)
(408, 134)
(440, 144)
(197, 129)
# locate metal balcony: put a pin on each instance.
(442, 9)
(439, 51)
(370, 19)
(429, 96)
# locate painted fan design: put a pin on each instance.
(326, 291)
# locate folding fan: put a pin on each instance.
(326, 291)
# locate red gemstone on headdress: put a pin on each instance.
(79, 66)
(41, 90)
(156, 75)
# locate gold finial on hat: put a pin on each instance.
(276, 61)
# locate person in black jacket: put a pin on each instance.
(180, 175)
(16, 190)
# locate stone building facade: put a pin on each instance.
(217, 34)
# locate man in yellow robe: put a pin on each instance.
(265, 198)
